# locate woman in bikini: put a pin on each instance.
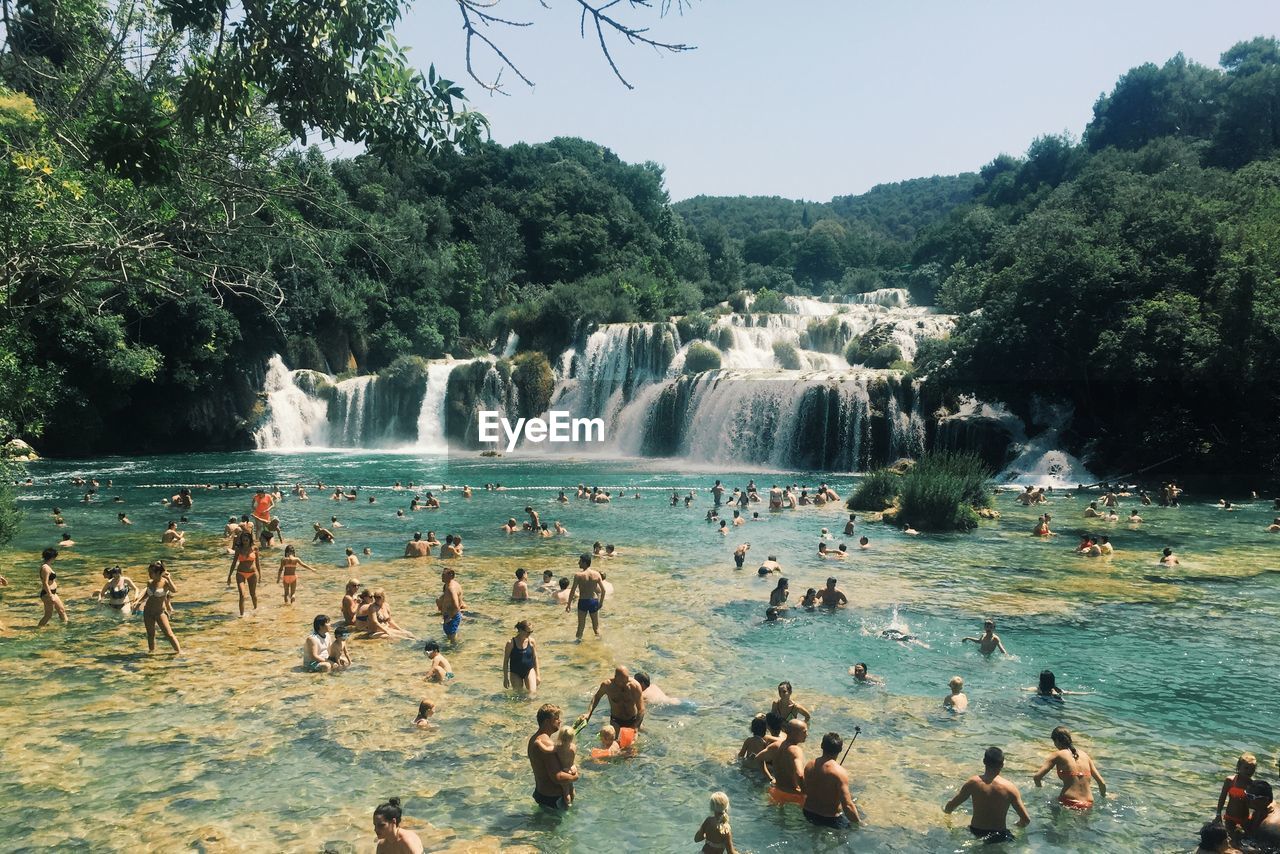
(288, 573)
(520, 659)
(155, 604)
(1075, 769)
(118, 592)
(381, 625)
(49, 589)
(786, 708)
(364, 605)
(244, 563)
(1233, 796)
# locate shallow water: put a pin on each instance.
(230, 747)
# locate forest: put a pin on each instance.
(164, 228)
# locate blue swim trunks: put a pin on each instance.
(588, 606)
(451, 624)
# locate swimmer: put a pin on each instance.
(450, 604)
(608, 741)
(848, 526)
(778, 598)
(392, 838)
(1134, 518)
(1232, 797)
(864, 543)
(49, 589)
(910, 531)
(244, 563)
(1047, 687)
(338, 651)
(783, 763)
(287, 574)
(769, 565)
(988, 642)
(714, 833)
(992, 796)
(1274, 527)
(426, 709)
(827, 801)
(118, 592)
(860, 673)
(380, 622)
(740, 555)
(755, 743)
(520, 660)
(567, 756)
(155, 605)
(548, 582)
(560, 529)
(956, 701)
(1105, 549)
(786, 708)
(1168, 558)
(335, 524)
(352, 560)
(626, 703)
(417, 547)
(322, 535)
(562, 595)
(439, 669)
(653, 695)
(520, 590)
(1265, 820)
(349, 602)
(1075, 768)
(771, 615)
(810, 600)
(1215, 839)
(123, 519)
(590, 590)
(832, 596)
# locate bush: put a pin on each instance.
(788, 356)
(701, 357)
(826, 336)
(534, 380)
(723, 338)
(942, 490)
(10, 515)
(769, 302)
(876, 491)
(692, 326)
(874, 357)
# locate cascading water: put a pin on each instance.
(431, 420)
(292, 418)
(351, 422)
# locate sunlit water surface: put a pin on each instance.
(230, 747)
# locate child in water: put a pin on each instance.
(810, 600)
(956, 701)
(440, 669)
(425, 710)
(715, 834)
(338, 650)
(567, 754)
(609, 740)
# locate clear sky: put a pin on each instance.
(817, 98)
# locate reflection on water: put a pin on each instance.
(230, 747)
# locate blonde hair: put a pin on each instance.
(720, 809)
(1248, 759)
(956, 682)
(565, 736)
(609, 731)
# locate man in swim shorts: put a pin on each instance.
(992, 796)
(548, 774)
(626, 704)
(783, 764)
(740, 554)
(450, 604)
(589, 587)
(828, 802)
(832, 596)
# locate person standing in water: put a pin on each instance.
(589, 588)
(715, 834)
(992, 796)
(787, 708)
(520, 660)
(626, 705)
(988, 642)
(392, 838)
(287, 575)
(827, 801)
(783, 764)
(244, 563)
(549, 775)
(117, 591)
(49, 589)
(1075, 768)
(155, 605)
(450, 604)
(956, 701)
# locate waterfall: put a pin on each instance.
(616, 360)
(292, 418)
(431, 421)
(351, 421)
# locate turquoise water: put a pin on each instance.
(230, 747)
